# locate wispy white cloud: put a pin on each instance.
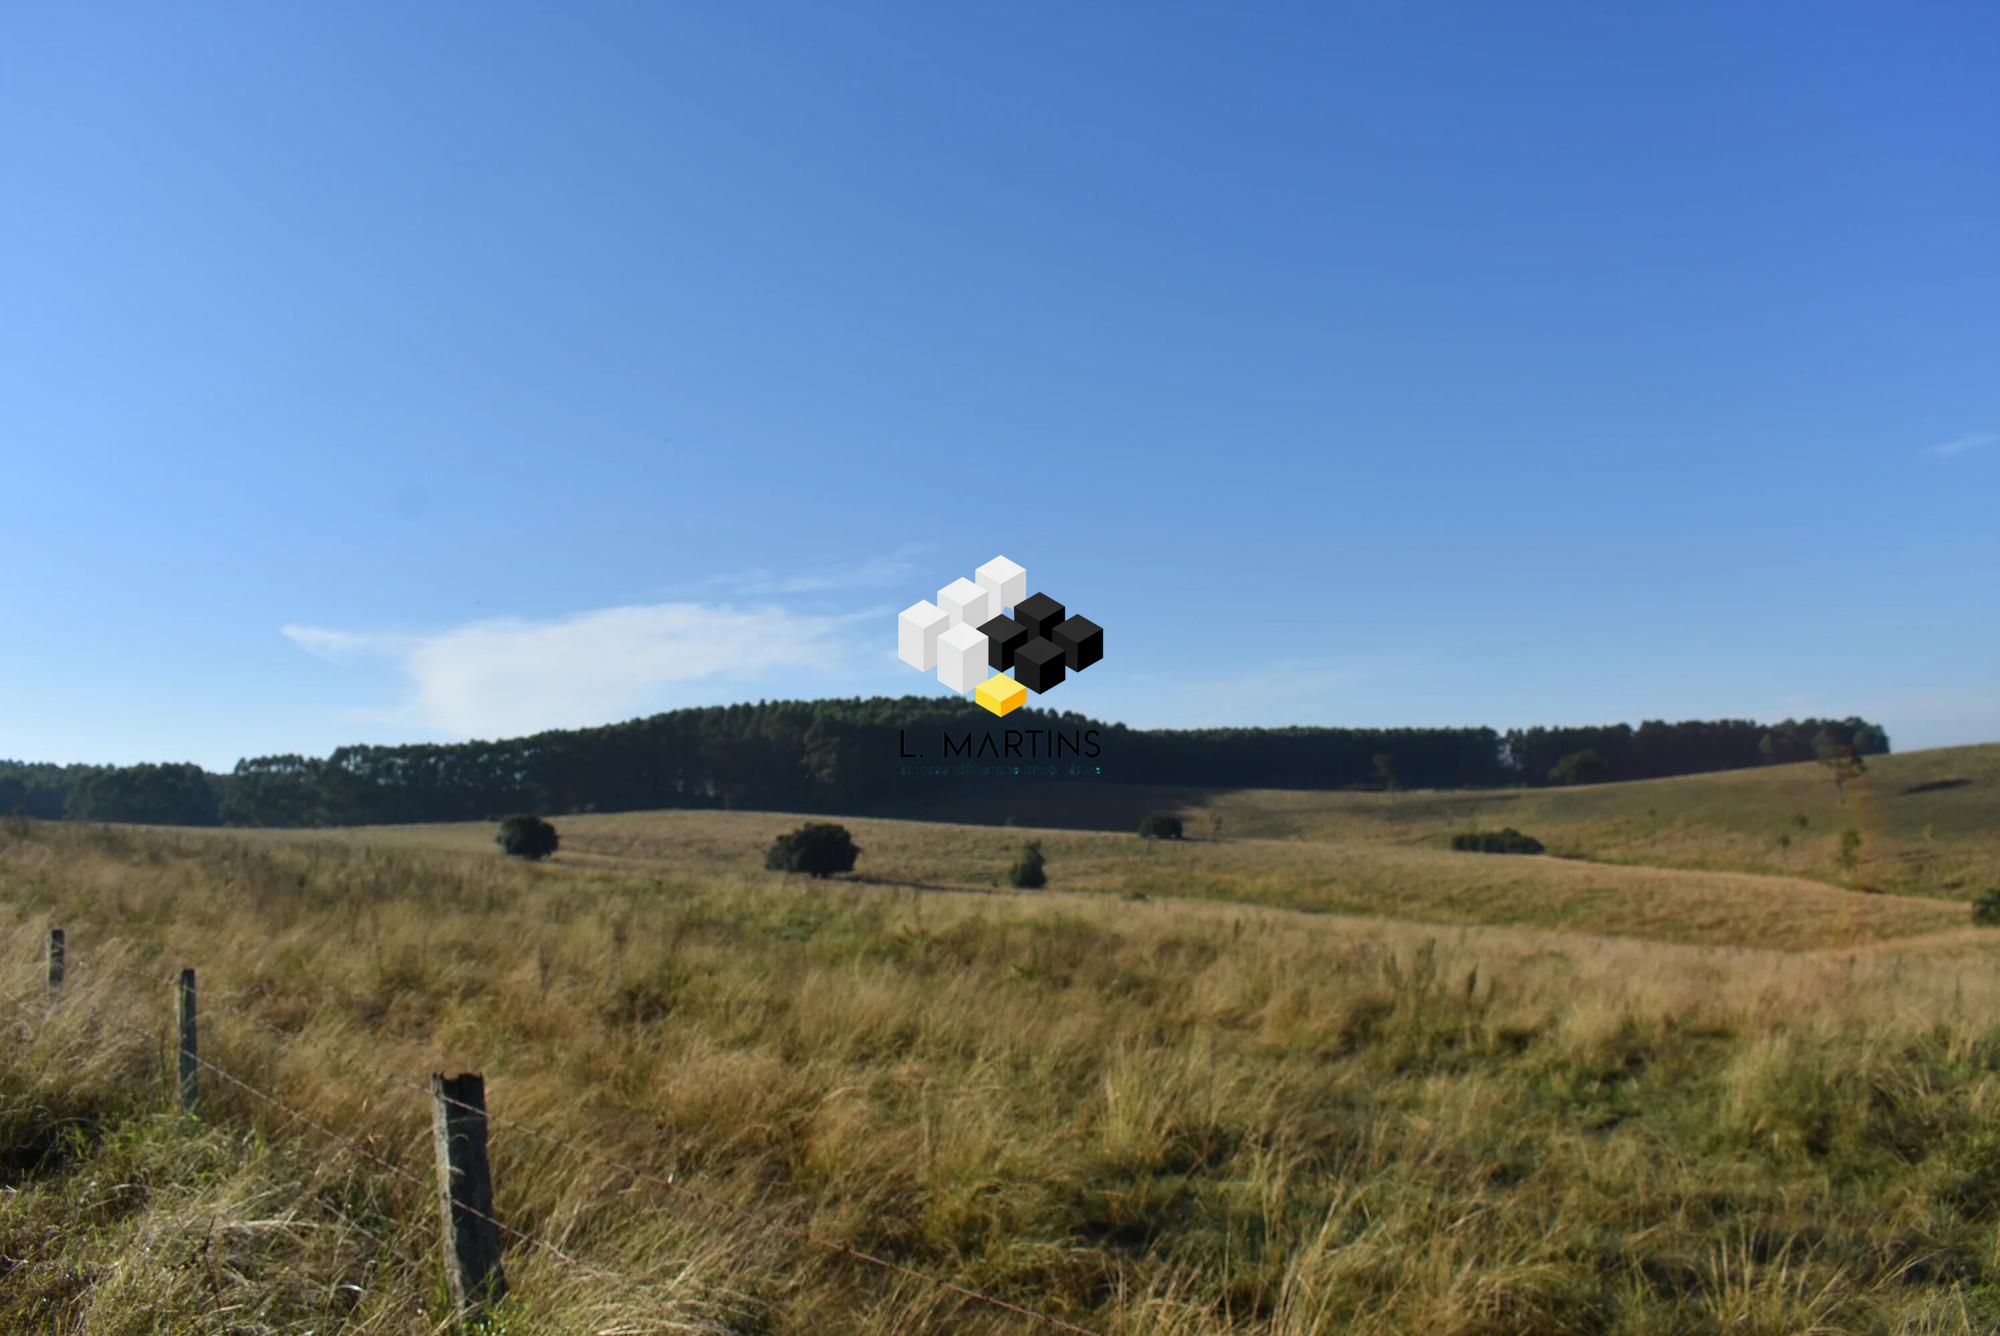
(1964, 445)
(508, 676)
(335, 645)
(873, 572)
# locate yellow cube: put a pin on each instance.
(1000, 693)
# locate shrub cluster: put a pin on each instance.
(527, 837)
(1507, 841)
(818, 848)
(1027, 873)
(1160, 826)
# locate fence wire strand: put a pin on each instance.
(669, 1182)
(370, 1155)
(382, 1241)
(672, 1184)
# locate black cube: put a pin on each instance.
(1039, 613)
(1038, 664)
(1082, 642)
(1003, 635)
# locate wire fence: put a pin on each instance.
(669, 1182)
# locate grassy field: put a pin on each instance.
(1416, 881)
(1311, 1073)
(1927, 820)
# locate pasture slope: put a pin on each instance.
(1307, 1072)
(1925, 818)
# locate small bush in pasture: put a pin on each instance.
(818, 848)
(1507, 841)
(527, 837)
(1850, 849)
(1027, 873)
(1160, 826)
(1986, 909)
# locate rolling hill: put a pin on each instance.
(1308, 1071)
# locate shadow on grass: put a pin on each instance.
(1933, 786)
(897, 883)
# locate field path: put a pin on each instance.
(1417, 883)
(1397, 881)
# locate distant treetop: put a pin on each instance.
(833, 756)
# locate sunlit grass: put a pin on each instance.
(1416, 882)
(1178, 1115)
(1926, 820)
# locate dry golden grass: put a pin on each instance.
(1171, 1115)
(1927, 820)
(1407, 881)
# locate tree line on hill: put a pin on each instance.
(161, 795)
(1655, 750)
(845, 756)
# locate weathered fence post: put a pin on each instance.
(465, 1193)
(184, 1025)
(55, 959)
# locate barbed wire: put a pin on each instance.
(670, 1182)
(386, 1244)
(804, 1235)
(366, 1153)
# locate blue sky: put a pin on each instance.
(383, 372)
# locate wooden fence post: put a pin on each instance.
(184, 1024)
(465, 1193)
(55, 959)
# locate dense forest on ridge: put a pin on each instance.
(848, 756)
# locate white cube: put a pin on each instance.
(917, 632)
(961, 658)
(968, 604)
(1004, 582)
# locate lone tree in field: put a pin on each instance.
(527, 837)
(818, 848)
(1581, 767)
(1842, 761)
(1027, 872)
(1160, 826)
